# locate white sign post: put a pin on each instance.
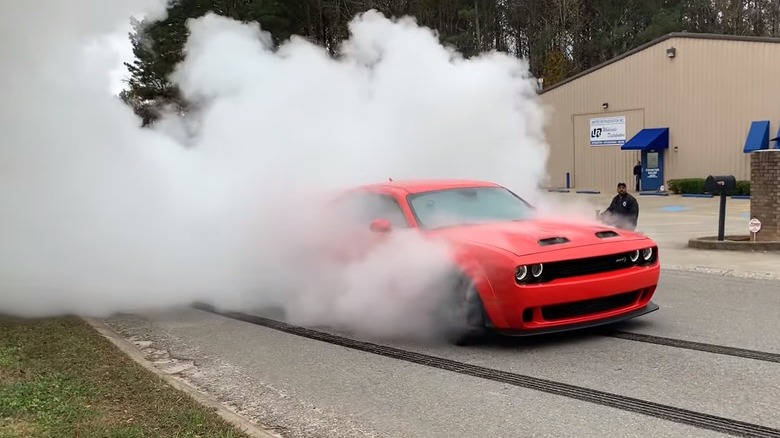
(754, 226)
(606, 131)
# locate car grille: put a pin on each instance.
(589, 307)
(586, 266)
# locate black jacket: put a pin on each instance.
(626, 207)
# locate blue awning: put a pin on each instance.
(650, 138)
(758, 137)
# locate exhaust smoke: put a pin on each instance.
(224, 205)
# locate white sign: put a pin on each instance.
(754, 225)
(607, 131)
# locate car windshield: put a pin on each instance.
(467, 206)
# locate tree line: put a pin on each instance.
(559, 38)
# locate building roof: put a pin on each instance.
(703, 36)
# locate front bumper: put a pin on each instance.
(650, 307)
(573, 303)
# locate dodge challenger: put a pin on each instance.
(516, 273)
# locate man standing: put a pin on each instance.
(638, 174)
(624, 209)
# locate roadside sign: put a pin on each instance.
(754, 225)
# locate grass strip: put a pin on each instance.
(61, 378)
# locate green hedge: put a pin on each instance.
(743, 188)
(696, 186)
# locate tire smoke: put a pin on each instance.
(225, 205)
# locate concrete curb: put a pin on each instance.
(747, 275)
(136, 355)
(653, 194)
(729, 244)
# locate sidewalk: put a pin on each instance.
(672, 220)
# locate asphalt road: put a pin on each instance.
(302, 387)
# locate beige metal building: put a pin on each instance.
(687, 105)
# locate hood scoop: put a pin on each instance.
(606, 234)
(552, 241)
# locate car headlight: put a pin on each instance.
(634, 256)
(647, 254)
(521, 273)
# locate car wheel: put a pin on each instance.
(466, 318)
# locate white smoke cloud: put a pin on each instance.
(98, 215)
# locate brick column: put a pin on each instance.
(765, 193)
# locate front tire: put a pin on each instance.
(466, 319)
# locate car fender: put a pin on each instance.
(481, 262)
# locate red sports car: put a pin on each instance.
(518, 274)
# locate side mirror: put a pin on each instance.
(380, 225)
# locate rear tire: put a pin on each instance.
(466, 319)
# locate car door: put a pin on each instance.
(356, 211)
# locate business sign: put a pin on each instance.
(607, 131)
(652, 173)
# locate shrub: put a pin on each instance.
(686, 185)
(697, 185)
(743, 188)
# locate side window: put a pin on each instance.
(386, 207)
(365, 207)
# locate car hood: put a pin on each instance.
(534, 236)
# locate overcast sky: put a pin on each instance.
(120, 43)
(112, 51)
